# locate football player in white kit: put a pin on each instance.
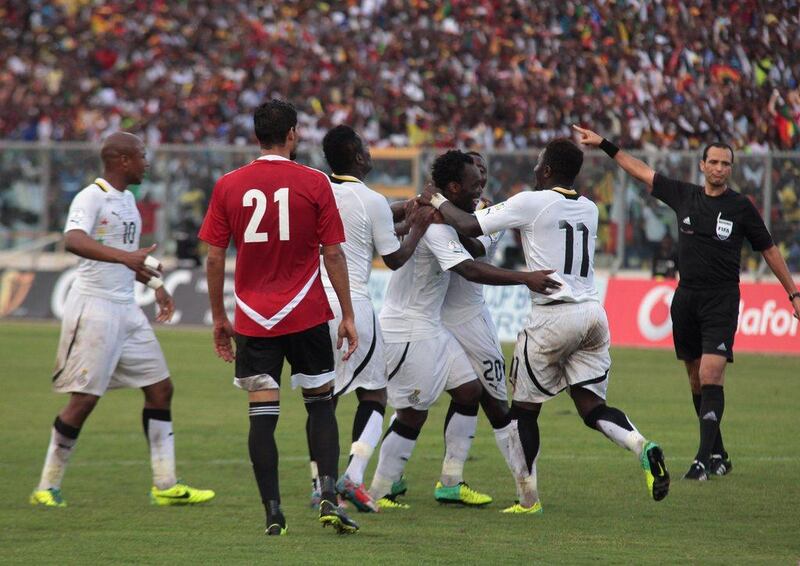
(106, 341)
(566, 342)
(368, 226)
(422, 356)
(466, 315)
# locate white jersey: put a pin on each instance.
(464, 300)
(412, 309)
(559, 230)
(368, 224)
(111, 218)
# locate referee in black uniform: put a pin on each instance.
(713, 222)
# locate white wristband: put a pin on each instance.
(155, 283)
(151, 262)
(437, 200)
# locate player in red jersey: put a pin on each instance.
(279, 213)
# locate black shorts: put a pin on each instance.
(704, 322)
(259, 360)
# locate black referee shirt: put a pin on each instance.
(712, 231)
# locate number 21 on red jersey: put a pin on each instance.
(256, 198)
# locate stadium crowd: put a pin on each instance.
(481, 73)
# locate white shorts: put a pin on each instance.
(419, 371)
(106, 345)
(366, 368)
(564, 345)
(478, 337)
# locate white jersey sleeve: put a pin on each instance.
(384, 237)
(442, 241)
(84, 210)
(516, 212)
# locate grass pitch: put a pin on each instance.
(594, 497)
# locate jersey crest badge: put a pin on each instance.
(414, 397)
(724, 227)
(455, 247)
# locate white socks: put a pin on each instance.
(361, 450)
(630, 439)
(395, 452)
(62, 440)
(458, 434)
(162, 450)
(527, 490)
(501, 437)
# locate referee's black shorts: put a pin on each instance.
(704, 322)
(259, 360)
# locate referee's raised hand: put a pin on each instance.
(587, 137)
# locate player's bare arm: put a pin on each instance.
(776, 263)
(464, 223)
(336, 266)
(398, 210)
(416, 221)
(223, 331)
(480, 272)
(473, 245)
(164, 300)
(632, 166)
(81, 244)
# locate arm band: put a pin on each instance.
(437, 200)
(610, 149)
(151, 262)
(155, 283)
(793, 296)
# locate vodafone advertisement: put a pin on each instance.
(638, 314)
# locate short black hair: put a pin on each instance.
(565, 159)
(476, 154)
(449, 167)
(273, 120)
(340, 146)
(719, 144)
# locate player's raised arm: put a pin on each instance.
(634, 167)
(465, 223)
(417, 221)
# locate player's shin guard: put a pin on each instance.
(157, 424)
(323, 434)
(62, 440)
(524, 452)
(367, 428)
(616, 427)
(459, 430)
(711, 408)
(263, 450)
(719, 447)
(398, 444)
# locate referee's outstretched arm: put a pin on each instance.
(634, 167)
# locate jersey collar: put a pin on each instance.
(568, 193)
(104, 185)
(349, 178)
(272, 157)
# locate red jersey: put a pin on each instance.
(278, 213)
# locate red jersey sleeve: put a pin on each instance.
(330, 230)
(215, 229)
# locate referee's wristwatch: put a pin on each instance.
(793, 296)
